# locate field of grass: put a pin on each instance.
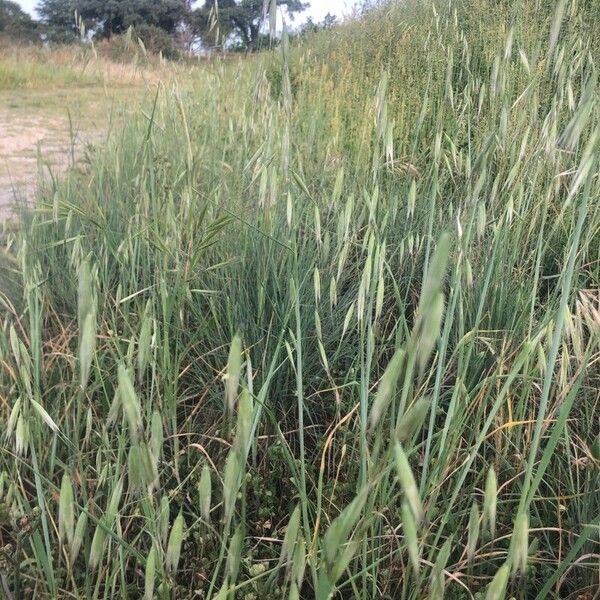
(116, 65)
(324, 323)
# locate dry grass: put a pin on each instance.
(35, 67)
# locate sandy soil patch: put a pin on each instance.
(46, 132)
(29, 145)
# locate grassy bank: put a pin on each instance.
(321, 324)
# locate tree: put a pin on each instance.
(312, 27)
(108, 17)
(116, 16)
(242, 18)
(59, 21)
(16, 24)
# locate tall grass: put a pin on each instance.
(323, 324)
(118, 64)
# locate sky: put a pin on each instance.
(28, 5)
(318, 9)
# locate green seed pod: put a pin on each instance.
(86, 305)
(333, 297)
(318, 329)
(66, 510)
(386, 388)
(410, 535)
(142, 470)
(80, 531)
(134, 469)
(489, 502)
(22, 435)
(174, 545)
(412, 420)
(230, 484)
(234, 555)
(380, 297)
(348, 319)
(232, 376)
(317, 224)
(519, 547)
(41, 411)
(317, 284)
(85, 293)
(429, 329)
(473, 531)
(89, 423)
(150, 574)
(408, 483)
(144, 341)
(299, 563)
(244, 423)
(497, 588)
(130, 403)
(438, 578)
(12, 419)
(114, 410)
(15, 345)
(468, 273)
(339, 531)
(156, 436)
(97, 548)
(87, 347)
(164, 519)
(204, 493)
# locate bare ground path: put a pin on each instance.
(47, 131)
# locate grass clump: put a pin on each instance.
(337, 339)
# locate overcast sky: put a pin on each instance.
(318, 9)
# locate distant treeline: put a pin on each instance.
(171, 27)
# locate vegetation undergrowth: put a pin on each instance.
(320, 324)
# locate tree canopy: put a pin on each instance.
(242, 18)
(59, 19)
(108, 17)
(15, 23)
(116, 16)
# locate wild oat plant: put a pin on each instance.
(321, 323)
